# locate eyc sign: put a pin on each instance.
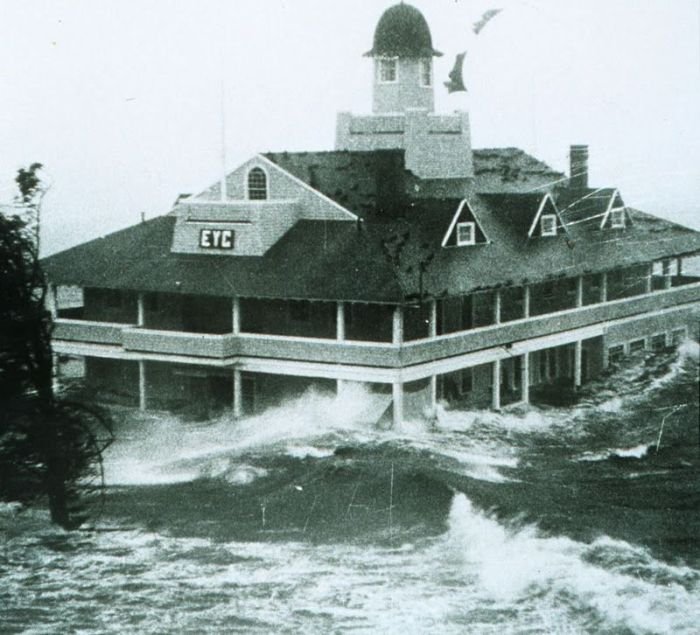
(216, 238)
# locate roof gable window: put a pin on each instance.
(388, 70)
(257, 184)
(466, 234)
(548, 225)
(464, 228)
(617, 218)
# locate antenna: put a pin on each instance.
(224, 193)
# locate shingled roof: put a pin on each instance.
(381, 261)
(373, 184)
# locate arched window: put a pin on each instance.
(257, 184)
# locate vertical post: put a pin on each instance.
(432, 320)
(647, 280)
(496, 387)
(340, 322)
(433, 395)
(604, 286)
(236, 315)
(140, 310)
(397, 395)
(526, 301)
(497, 306)
(51, 301)
(237, 394)
(666, 269)
(525, 377)
(397, 325)
(142, 385)
(578, 354)
(579, 292)
(679, 267)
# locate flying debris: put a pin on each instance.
(485, 19)
(456, 82)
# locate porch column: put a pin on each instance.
(142, 385)
(647, 281)
(526, 301)
(340, 322)
(237, 394)
(604, 286)
(236, 316)
(579, 292)
(140, 310)
(578, 354)
(679, 266)
(432, 319)
(50, 301)
(496, 387)
(525, 377)
(397, 326)
(433, 395)
(397, 395)
(497, 306)
(666, 268)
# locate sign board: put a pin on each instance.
(216, 238)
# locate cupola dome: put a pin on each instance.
(402, 32)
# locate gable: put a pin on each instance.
(464, 217)
(262, 203)
(541, 225)
(616, 215)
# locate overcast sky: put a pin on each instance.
(121, 100)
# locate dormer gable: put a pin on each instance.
(262, 202)
(465, 229)
(547, 221)
(616, 215)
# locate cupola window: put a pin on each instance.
(426, 73)
(257, 184)
(548, 225)
(388, 70)
(466, 234)
(617, 218)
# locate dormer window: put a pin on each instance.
(548, 225)
(466, 234)
(388, 70)
(257, 184)
(617, 218)
(426, 73)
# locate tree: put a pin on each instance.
(49, 446)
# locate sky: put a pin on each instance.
(121, 100)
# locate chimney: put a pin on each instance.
(578, 170)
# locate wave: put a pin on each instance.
(608, 584)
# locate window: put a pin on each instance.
(388, 70)
(637, 345)
(616, 353)
(548, 224)
(465, 234)
(426, 73)
(658, 342)
(257, 185)
(617, 218)
(677, 336)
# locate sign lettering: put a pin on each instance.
(216, 238)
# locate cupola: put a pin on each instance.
(403, 61)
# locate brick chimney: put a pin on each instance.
(578, 166)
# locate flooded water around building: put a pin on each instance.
(541, 520)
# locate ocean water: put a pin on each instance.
(303, 519)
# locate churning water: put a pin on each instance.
(577, 520)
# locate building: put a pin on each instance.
(403, 259)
